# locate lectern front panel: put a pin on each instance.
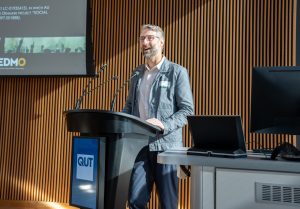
(84, 172)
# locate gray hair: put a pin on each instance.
(156, 29)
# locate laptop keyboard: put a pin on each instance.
(263, 151)
(216, 152)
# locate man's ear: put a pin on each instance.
(162, 43)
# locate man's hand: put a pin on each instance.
(156, 122)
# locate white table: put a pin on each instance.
(246, 183)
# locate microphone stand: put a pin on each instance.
(87, 88)
(103, 83)
(79, 100)
(112, 104)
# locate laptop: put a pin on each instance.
(217, 136)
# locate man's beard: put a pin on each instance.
(150, 53)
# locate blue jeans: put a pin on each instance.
(145, 172)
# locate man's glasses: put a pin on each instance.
(148, 38)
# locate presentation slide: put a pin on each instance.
(44, 37)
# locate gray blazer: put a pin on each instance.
(170, 101)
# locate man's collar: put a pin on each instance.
(158, 66)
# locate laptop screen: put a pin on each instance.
(212, 133)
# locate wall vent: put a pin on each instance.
(277, 194)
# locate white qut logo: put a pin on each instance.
(85, 167)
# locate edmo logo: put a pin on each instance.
(12, 62)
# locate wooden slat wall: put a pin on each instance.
(218, 41)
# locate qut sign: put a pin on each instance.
(85, 167)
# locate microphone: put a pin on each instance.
(112, 104)
(87, 87)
